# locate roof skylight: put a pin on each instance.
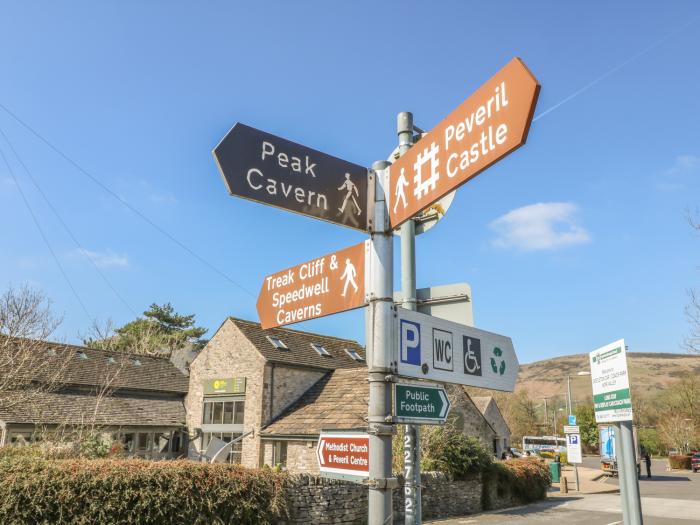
(277, 342)
(320, 350)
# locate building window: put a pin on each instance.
(354, 355)
(223, 412)
(320, 350)
(234, 451)
(279, 453)
(277, 342)
(141, 443)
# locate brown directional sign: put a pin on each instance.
(327, 285)
(275, 171)
(490, 124)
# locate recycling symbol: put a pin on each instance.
(498, 369)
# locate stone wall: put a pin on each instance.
(312, 499)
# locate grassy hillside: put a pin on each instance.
(649, 373)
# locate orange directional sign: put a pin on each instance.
(486, 127)
(327, 285)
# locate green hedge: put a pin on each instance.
(39, 491)
(522, 480)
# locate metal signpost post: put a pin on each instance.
(612, 403)
(380, 313)
(412, 476)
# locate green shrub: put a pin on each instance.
(108, 491)
(680, 461)
(523, 480)
(446, 449)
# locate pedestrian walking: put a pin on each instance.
(647, 462)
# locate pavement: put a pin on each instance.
(668, 498)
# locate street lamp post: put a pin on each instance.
(569, 404)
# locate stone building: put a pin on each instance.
(489, 408)
(137, 400)
(276, 389)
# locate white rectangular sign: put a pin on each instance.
(573, 448)
(571, 429)
(427, 347)
(611, 386)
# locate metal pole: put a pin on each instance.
(380, 317)
(570, 403)
(546, 414)
(627, 470)
(412, 476)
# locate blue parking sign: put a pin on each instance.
(572, 420)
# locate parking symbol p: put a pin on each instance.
(409, 349)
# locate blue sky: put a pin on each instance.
(575, 240)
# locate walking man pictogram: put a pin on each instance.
(399, 191)
(349, 277)
(351, 189)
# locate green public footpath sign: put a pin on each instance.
(420, 404)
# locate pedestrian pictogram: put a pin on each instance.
(490, 124)
(323, 286)
(278, 172)
(348, 277)
(351, 193)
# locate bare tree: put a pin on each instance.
(29, 365)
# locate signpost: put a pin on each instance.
(573, 450)
(450, 301)
(343, 454)
(612, 403)
(271, 170)
(420, 404)
(438, 350)
(572, 419)
(264, 168)
(490, 124)
(611, 386)
(323, 286)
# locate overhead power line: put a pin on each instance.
(132, 208)
(65, 226)
(616, 68)
(43, 235)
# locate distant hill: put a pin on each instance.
(649, 372)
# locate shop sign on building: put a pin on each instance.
(229, 385)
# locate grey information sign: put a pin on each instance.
(265, 168)
(427, 347)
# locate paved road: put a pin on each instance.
(668, 498)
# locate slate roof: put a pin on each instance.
(76, 409)
(300, 352)
(155, 374)
(338, 400)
